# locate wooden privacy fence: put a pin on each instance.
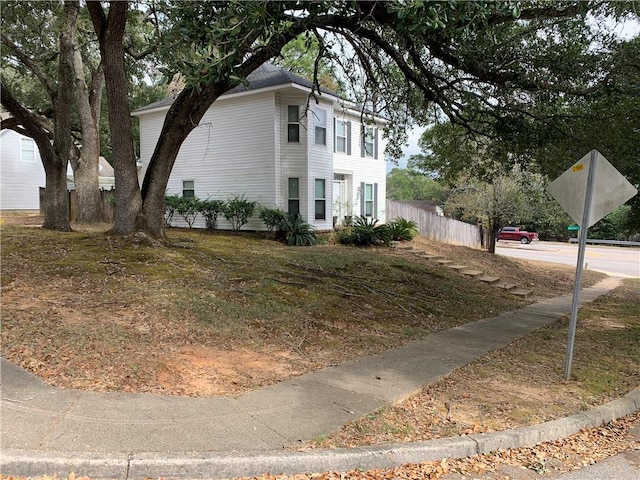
(108, 197)
(435, 227)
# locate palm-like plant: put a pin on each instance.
(297, 231)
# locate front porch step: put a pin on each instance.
(521, 292)
(505, 286)
(472, 273)
(489, 279)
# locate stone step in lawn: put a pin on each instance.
(443, 261)
(457, 267)
(505, 286)
(472, 273)
(402, 246)
(431, 256)
(489, 279)
(521, 292)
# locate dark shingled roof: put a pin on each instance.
(267, 75)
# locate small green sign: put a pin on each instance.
(573, 228)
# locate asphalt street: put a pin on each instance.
(617, 261)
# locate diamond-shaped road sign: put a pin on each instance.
(610, 189)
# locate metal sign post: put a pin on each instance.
(587, 194)
(580, 266)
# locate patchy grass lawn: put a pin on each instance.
(522, 383)
(220, 314)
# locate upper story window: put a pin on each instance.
(343, 137)
(188, 189)
(293, 123)
(27, 150)
(370, 142)
(320, 117)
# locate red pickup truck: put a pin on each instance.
(514, 233)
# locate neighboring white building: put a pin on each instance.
(260, 141)
(21, 172)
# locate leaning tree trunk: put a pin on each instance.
(183, 116)
(110, 31)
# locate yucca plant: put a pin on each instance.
(297, 232)
(366, 232)
(402, 229)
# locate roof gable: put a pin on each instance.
(265, 76)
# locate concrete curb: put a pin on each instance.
(219, 466)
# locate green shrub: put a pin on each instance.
(297, 232)
(238, 210)
(171, 203)
(188, 208)
(210, 210)
(272, 218)
(402, 229)
(365, 232)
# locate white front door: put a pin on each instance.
(339, 202)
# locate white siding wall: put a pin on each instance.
(231, 152)
(358, 169)
(241, 147)
(21, 180)
(320, 167)
(293, 156)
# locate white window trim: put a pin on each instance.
(190, 189)
(27, 141)
(318, 199)
(318, 125)
(345, 136)
(297, 123)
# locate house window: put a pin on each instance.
(188, 189)
(320, 116)
(321, 199)
(341, 136)
(27, 150)
(293, 123)
(368, 200)
(368, 144)
(294, 196)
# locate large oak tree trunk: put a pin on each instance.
(85, 168)
(110, 31)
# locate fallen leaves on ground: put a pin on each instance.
(586, 447)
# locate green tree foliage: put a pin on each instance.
(304, 56)
(407, 60)
(408, 184)
(492, 205)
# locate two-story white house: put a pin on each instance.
(273, 143)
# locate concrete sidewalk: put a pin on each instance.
(47, 430)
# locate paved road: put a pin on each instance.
(620, 261)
